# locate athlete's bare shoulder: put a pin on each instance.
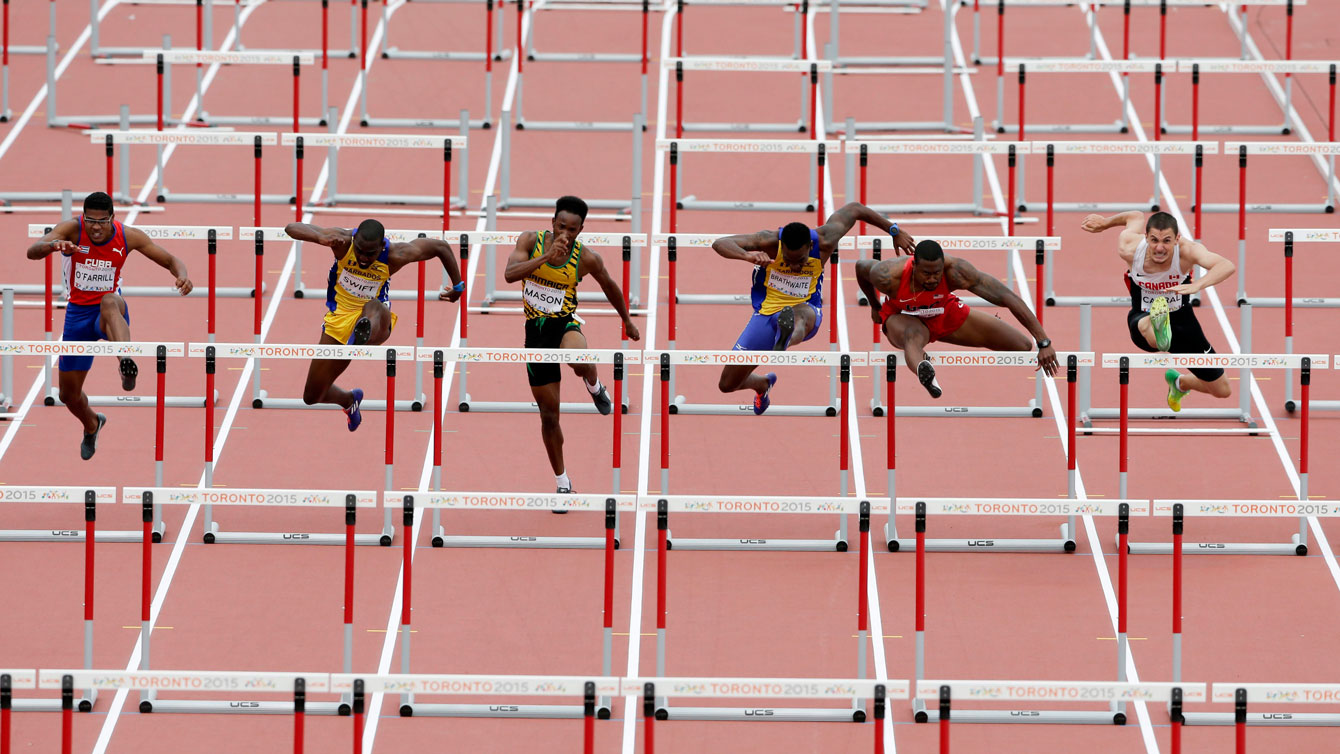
(887, 275)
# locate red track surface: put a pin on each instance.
(731, 614)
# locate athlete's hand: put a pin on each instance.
(184, 285)
(904, 242)
(448, 294)
(558, 254)
(1186, 289)
(876, 315)
(631, 328)
(64, 247)
(1047, 360)
(1094, 223)
(760, 258)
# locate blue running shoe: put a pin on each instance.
(355, 416)
(763, 400)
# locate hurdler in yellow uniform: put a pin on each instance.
(350, 287)
(549, 298)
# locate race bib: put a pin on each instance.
(1147, 299)
(358, 286)
(930, 311)
(94, 279)
(796, 286)
(543, 298)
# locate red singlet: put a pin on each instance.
(93, 271)
(940, 310)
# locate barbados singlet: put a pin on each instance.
(351, 286)
(776, 287)
(1146, 286)
(94, 270)
(551, 291)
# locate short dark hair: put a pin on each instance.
(370, 231)
(795, 235)
(98, 200)
(929, 251)
(1162, 221)
(571, 204)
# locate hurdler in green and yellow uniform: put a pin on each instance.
(549, 264)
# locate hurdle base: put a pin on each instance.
(764, 714)
(1123, 302)
(573, 125)
(537, 711)
(1281, 129)
(441, 539)
(527, 407)
(213, 535)
(1042, 716)
(1163, 414)
(483, 123)
(1298, 303)
(1292, 209)
(714, 204)
(682, 406)
(71, 535)
(1292, 547)
(377, 404)
(1273, 719)
(836, 544)
(1115, 127)
(794, 127)
(980, 412)
(144, 401)
(85, 703)
(238, 707)
(1062, 544)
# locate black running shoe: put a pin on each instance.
(362, 331)
(603, 404)
(89, 445)
(926, 373)
(562, 491)
(129, 371)
(786, 324)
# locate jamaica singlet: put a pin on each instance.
(551, 291)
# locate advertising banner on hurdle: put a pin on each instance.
(944, 694)
(247, 684)
(1243, 694)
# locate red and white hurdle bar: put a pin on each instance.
(164, 59)
(892, 362)
(1290, 237)
(945, 693)
(654, 690)
(1243, 694)
(977, 149)
(90, 497)
(808, 95)
(844, 506)
(663, 361)
(1263, 68)
(612, 505)
(1122, 509)
(1025, 66)
(1297, 545)
(464, 356)
(207, 497)
(821, 150)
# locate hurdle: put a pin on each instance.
(326, 52)
(808, 95)
(90, 497)
(449, 147)
(611, 504)
(943, 693)
(1290, 237)
(1242, 694)
(844, 361)
(879, 692)
(149, 682)
(1122, 509)
(493, 38)
(801, 9)
(5, 112)
(1088, 413)
(833, 49)
(892, 361)
(813, 203)
(526, 14)
(164, 59)
(204, 25)
(700, 504)
(1289, 68)
(1091, 54)
(11, 679)
(630, 209)
(861, 150)
(124, 119)
(1024, 66)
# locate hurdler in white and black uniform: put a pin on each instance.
(1159, 263)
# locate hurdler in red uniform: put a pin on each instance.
(93, 249)
(922, 308)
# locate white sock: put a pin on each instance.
(1178, 383)
(593, 389)
(562, 480)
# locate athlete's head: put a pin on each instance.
(928, 265)
(98, 214)
(569, 217)
(796, 243)
(368, 242)
(1161, 236)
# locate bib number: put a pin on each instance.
(359, 287)
(1147, 299)
(926, 312)
(795, 286)
(94, 279)
(543, 298)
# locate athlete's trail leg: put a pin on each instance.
(1147, 331)
(1220, 388)
(547, 399)
(804, 323)
(909, 334)
(379, 316)
(741, 376)
(588, 373)
(71, 386)
(321, 375)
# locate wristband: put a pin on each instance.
(893, 229)
(458, 287)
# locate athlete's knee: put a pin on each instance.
(1220, 388)
(111, 304)
(1019, 342)
(312, 394)
(71, 396)
(729, 382)
(549, 418)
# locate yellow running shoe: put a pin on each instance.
(1175, 394)
(1158, 320)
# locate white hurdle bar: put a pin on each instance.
(946, 693)
(749, 64)
(861, 150)
(526, 13)
(90, 497)
(466, 355)
(820, 151)
(163, 59)
(845, 506)
(1263, 68)
(1242, 694)
(1242, 412)
(1290, 237)
(587, 688)
(1305, 363)
(663, 361)
(612, 505)
(1070, 361)
(1122, 509)
(150, 682)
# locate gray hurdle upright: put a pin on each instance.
(1290, 301)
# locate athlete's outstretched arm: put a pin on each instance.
(841, 222)
(754, 248)
(140, 241)
(594, 266)
(60, 238)
(1217, 268)
(317, 234)
(963, 275)
(1133, 221)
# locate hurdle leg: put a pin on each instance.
(1085, 373)
(919, 706)
(978, 168)
(1245, 374)
(504, 175)
(51, 77)
(490, 250)
(123, 160)
(947, 81)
